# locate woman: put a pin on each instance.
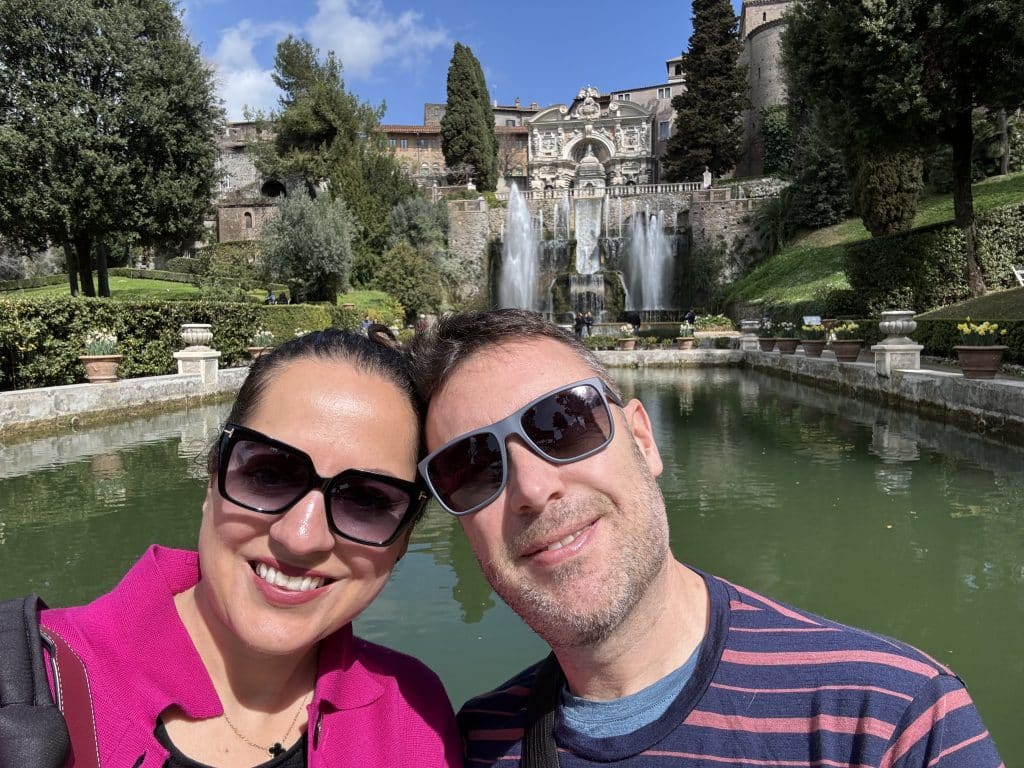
(242, 653)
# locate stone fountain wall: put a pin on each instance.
(701, 219)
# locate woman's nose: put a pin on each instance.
(303, 527)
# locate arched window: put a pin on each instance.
(248, 220)
(424, 170)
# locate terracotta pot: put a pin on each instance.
(787, 346)
(980, 362)
(629, 343)
(685, 342)
(847, 350)
(100, 368)
(255, 352)
(766, 344)
(813, 347)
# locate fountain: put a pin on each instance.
(649, 267)
(595, 257)
(519, 274)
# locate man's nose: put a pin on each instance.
(533, 481)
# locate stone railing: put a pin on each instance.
(629, 190)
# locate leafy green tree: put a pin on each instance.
(820, 193)
(777, 137)
(309, 247)
(908, 75)
(107, 126)
(467, 128)
(885, 191)
(326, 138)
(422, 224)
(410, 277)
(707, 125)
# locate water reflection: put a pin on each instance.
(877, 518)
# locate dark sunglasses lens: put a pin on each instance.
(368, 508)
(263, 477)
(467, 473)
(569, 424)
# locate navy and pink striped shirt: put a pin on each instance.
(773, 686)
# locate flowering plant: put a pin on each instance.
(301, 332)
(845, 331)
(100, 342)
(812, 332)
(786, 329)
(262, 338)
(713, 323)
(626, 329)
(686, 330)
(980, 334)
(766, 328)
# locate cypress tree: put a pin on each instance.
(467, 128)
(707, 125)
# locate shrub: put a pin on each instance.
(713, 323)
(885, 191)
(940, 336)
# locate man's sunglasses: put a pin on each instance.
(570, 423)
(265, 475)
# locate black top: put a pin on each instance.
(294, 757)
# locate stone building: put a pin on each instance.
(761, 25)
(567, 141)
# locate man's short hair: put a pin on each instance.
(456, 337)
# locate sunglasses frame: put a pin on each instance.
(512, 425)
(233, 433)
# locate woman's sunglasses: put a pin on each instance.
(265, 475)
(570, 423)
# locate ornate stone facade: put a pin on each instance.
(567, 140)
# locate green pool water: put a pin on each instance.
(869, 516)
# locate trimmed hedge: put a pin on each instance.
(925, 268)
(33, 282)
(152, 274)
(41, 338)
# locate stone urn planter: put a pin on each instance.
(787, 346)
(765, 343)
(980, 362)
(100, 368)
(625, 343)
(813, 347)
(255, 352)
(847, 350)
(685, 342)
(196, 334)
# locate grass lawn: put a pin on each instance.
(998, 305)
(123, 288)
(813, 262)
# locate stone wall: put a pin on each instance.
(727, 224)
(232, 224)
(470, 235)
(238, 168)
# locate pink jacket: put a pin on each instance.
(372, 706)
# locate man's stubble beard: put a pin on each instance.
(573, 608)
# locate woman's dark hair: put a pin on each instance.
(368, 355)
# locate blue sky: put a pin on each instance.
(398, 52)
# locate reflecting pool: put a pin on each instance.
(876, 518)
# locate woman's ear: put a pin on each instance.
(639, 424)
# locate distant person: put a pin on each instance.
(633, 318)
(421, 324)
(690, 316)
(654, 664)
(364, 326)
(577, 325)
(269, 298)
(282, 298)
(588, 324)
(242, 653)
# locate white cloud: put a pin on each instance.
(362, 33)
(365, 36)
(241, 80)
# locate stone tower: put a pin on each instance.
(761, 25)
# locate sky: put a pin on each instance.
(397, 52)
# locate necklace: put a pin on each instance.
(277, 747)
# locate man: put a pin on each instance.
(553, 477)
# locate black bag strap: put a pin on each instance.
(539, 750)
(32, 730)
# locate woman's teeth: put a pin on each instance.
(291, 583)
